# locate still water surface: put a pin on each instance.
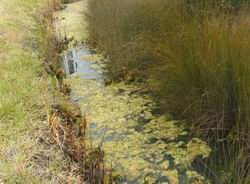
(139, 144)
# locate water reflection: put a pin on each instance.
(76, 61)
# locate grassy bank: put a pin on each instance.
(37, 119)
(195, 58)
(23, 98)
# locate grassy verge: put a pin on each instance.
(195, 57)
(42, 133)
(25, 156)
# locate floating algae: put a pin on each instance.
(70, 21)
(141, 146)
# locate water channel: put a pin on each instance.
(139, 145)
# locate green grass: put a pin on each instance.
(195, 58)
(24, 100)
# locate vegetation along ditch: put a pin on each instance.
(125, 91)
(192, 58)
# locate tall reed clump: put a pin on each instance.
(203, 77)
(119, 29)
(195, 56)
(198, 63)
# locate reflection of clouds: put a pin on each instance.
(83, 62)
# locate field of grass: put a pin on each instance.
(25, 154)
(195, 58)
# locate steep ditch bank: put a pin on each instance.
(140, 145)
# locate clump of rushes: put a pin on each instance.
(195, 57)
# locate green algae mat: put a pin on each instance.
(139, 145)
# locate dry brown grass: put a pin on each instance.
(67, 130)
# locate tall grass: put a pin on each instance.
(228, 5)
(199, 66)
(194, 54)
(120, 28)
